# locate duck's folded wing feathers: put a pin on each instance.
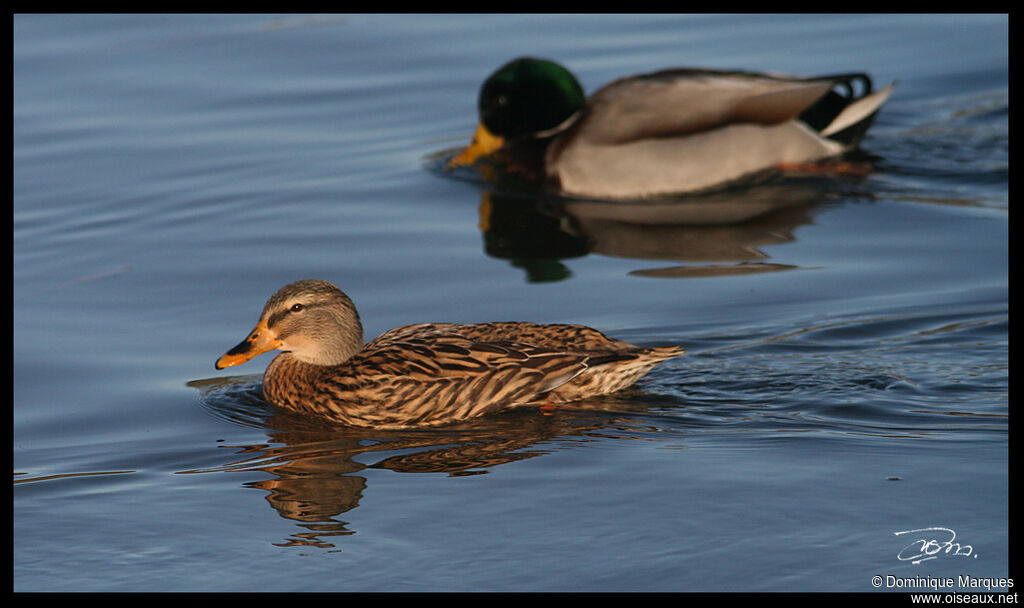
(429, 357)
(467, 378)
(677, 102)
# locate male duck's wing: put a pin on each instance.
(680, 131)
(684, 101)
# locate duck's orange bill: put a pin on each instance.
(260, 340)
(484, 143)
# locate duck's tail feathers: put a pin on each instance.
(853, 122)
(847, 111)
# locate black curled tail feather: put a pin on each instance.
(847, 89)
(847, 82)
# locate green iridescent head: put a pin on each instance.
(527, 96)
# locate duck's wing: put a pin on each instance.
(553, 336)
(439, 372)
(445, 355)
(681, 131)
(678, 102)
(427, 379)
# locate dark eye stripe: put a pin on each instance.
(276, 318)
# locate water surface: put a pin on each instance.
(846, 376)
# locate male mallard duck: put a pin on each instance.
(668, 132)
(426, 374)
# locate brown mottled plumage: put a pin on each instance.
(430, 373)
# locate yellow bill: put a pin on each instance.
(484, 143)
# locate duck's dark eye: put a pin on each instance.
(297, 307)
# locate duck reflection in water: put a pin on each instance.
(318, 473)
(714, 234)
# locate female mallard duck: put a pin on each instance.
(668, 132)
(426, 374)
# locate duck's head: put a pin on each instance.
(313, 320)
(526, 97)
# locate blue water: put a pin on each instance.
(847, 369)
